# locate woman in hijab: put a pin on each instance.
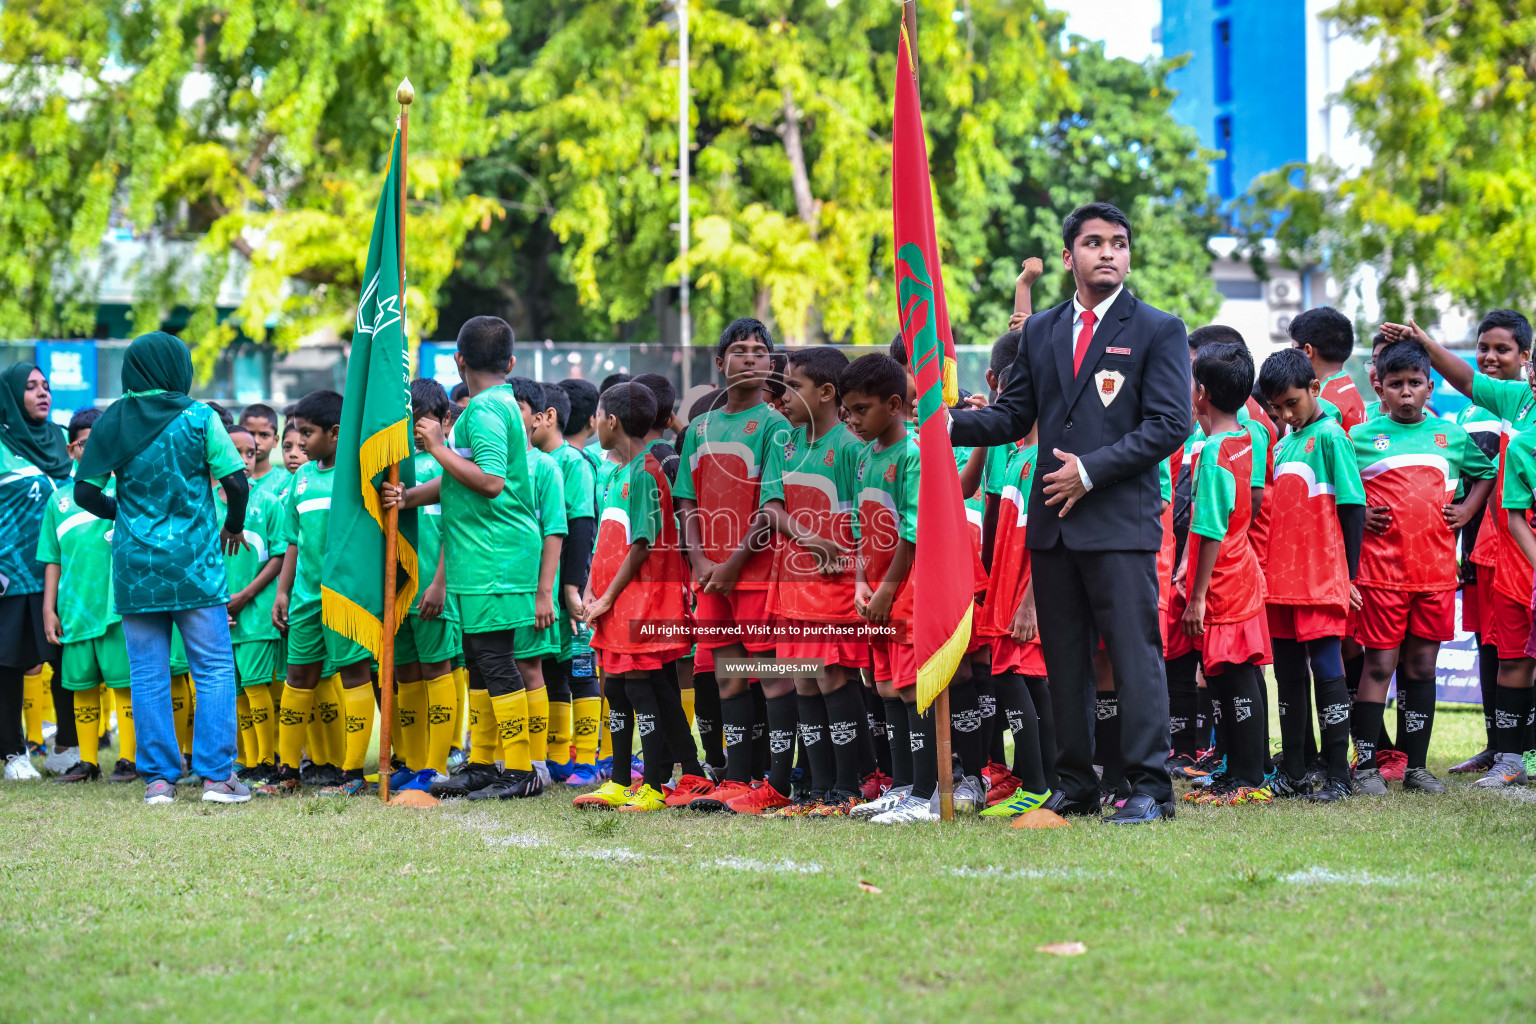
(34, 462)
(167, 558)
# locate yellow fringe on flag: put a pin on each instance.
(378, 453)
(951, 382)
(352, 620)
(936, 673)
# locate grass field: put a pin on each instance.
(1407, 908)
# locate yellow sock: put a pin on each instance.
(584, 729)
(538, 724)
(604, 740)
(35, 695)
(127, 736)
(460, 705)
(244, 739)
(333, 725)
(293, 725)
(688, 705)
(181, 700)
(411, 704)
(191, 713)
(359, 726)
(104, 720)
(87, 717)
(482, 727)
(512, 728)
(560, 732)
(260, 700)
(440, 702)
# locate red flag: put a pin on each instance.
(942, 632)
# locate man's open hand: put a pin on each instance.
(1064, 486)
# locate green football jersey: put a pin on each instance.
(81, 546)
(579, 478)
(429, 537)
(548, 509)
(307, 517)
(265, 523)
(23, 491)
(276, 483)
(885, 486)
(491, 540)
(994, 473)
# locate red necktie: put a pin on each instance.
(1084, 336)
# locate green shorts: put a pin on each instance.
(100, 660)
(179, 665)
(427, 640)
(312, 642)
(487, 613)
(256, 662)
(529, 643)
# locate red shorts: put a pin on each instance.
(736, 606)
(977, 641)
(1175, 643)
(703, 660)
(1234, 643)
(893, 663)
(847, 653)
(1511, 622)
(622, 664)
(1303, 622)
(1477, 601)
(1387, 617)
(1009, 655)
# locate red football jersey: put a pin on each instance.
(638, 504)
(1221, 508)
(1341, 391)
(814, 480)
(1010, 557)
(1315, 471)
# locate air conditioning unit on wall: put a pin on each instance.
(1283, 291)
(1280, 323)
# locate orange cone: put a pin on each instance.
(1040, 818)
(413, 798)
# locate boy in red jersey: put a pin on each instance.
(1513, 703)
(637, 577)
(1410, 466)
(1314, 554)
(730, 547)
(1327, 338)
(1224, 614)
(806, 496)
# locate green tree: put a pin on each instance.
(1447, 204)
(256, 128)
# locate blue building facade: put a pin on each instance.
(1244, 90)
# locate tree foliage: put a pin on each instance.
(1447, 204)
(258, 128)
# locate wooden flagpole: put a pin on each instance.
(404, 94)
(941, 702)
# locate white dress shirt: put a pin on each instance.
(1077, 325)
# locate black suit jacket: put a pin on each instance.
(1120, 443)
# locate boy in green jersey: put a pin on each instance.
(579, 481)
(429, 638)
(296, 609)
(588, 721)
(75, 549)
(535, 645)
(251, 572)
(260, 421)
(491, 537)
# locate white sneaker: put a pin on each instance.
(61, 760)
(49, 731)
(887, 800)
(970, 796)
(541, 769)
(18, 768)
(909, 810)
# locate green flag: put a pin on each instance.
(375, 433)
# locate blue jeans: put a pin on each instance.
(211, 660)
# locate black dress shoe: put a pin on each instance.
(1140, 808)
(1080, 808)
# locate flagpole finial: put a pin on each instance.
(406, 93)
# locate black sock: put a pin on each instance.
(874, 734)
(761, 758)
(1182, 703)
(818, 747)
(1040, 693)
(1353, 669)
(925, 752)
(736, 718)
(1510, 706)
(1245, 759)
(1365, 723)
(1202, 716)
(1416, 704)
(1333, 716)
(707, 718)
(898, 730)
(673, 722)
(844, 711)
(965, 727)
(783, 714)
(621, 730)
(658, 766)
(1219, 721)
(1292, 681)
(1488, 682)
(991, 728)
(1106, 738)
(1024, 723)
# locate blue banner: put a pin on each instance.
(435, 359)
(70, 367)
(1456, 677)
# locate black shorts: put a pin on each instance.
(23, 644)
(492, 662)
